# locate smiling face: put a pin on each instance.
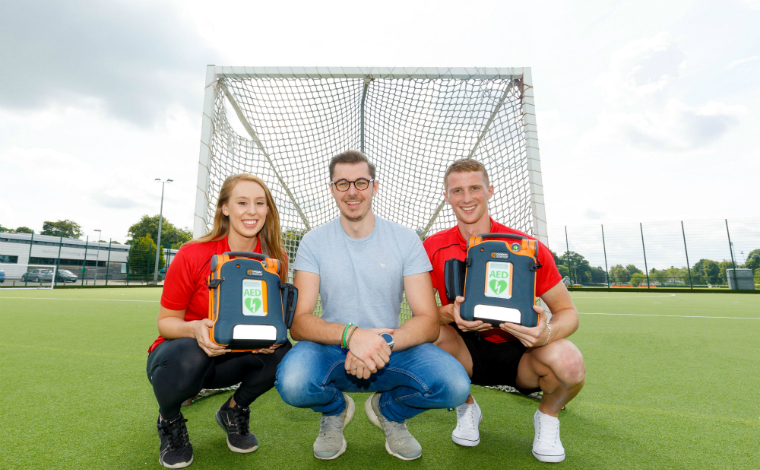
(353, 204)
(247, 209)
(468, 196)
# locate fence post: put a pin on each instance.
(646, 268)
(569, 264)
(606, 269)
(688, 266)
(28, 260)
(129, 260)
(84, 265)
(108, 262)
(733, 263)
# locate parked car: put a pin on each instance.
(2, 276)
(37, 275)
(64, 275)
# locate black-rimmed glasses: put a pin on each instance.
(360, 184)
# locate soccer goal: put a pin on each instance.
(284, 124)
(28, 276)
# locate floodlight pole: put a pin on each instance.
(97, 258)
(160, 218)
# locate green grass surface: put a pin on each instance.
(666, 387)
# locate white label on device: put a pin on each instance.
(501, 314)
(254, 332)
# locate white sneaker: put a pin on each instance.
(546, 445)
(468, 419)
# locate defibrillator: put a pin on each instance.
(250, 307)
(497, 279)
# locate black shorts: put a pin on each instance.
(494, 363)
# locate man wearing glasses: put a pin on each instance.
(361, 265)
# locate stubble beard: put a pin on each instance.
(362, 216)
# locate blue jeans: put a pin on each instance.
(420, 378)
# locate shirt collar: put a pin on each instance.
(463, 241)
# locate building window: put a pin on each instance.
(9, 259)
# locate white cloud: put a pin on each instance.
(641, 110)
(734, 63)
(754, 4)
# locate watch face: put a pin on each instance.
(388, 339)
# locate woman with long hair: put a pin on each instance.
(184, 360)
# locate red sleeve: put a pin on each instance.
(179, 284)
(547, 276)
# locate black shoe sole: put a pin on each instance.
(233, 448)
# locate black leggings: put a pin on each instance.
(178, 369)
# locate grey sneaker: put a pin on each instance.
(330, 443)
(398, 442)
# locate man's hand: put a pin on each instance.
(201, 331)
(464, 325)
(530, 337)
(370, 348)
(356, 367)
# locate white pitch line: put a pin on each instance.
(58, 298)
(677, 316)
(643, 296)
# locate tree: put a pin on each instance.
(753, 260)
(170, 235)
(66, 228)
(580, 271)
(633, 269)
(619, 274)
(598, 276)
(709, 271)
(637, 278)
(24, 230)
(142, 257)
(5, 229)
(563, 271)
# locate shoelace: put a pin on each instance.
(239, 422)
(330, 423)
(469, 411)
(177, 433)
(548, 431)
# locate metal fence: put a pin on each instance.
(687, 254)
(80, 263)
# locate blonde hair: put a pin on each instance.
(270, 235)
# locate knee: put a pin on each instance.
(293, 379)
(566, 362)
(447, 339)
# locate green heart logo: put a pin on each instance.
(253, 304)
(498, 286)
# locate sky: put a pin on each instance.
(646, 111)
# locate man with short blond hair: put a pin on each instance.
(529, 359)
(361, 265)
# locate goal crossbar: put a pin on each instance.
(285, 123)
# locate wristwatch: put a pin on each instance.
(388, 339)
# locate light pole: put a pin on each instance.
(97, 257)
(160, 217)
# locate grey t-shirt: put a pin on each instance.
(362, 281)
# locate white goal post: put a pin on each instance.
(284, 124)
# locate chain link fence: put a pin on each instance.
(685, 254)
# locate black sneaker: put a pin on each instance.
(176, 450)
(234, 421)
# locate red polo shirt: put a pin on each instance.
(185, 285)
(450, 243)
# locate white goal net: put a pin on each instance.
(284, 124)
(28, 276)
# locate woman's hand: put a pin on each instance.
(268, 350)
(202, 334)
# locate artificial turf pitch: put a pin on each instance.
(671, 383)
